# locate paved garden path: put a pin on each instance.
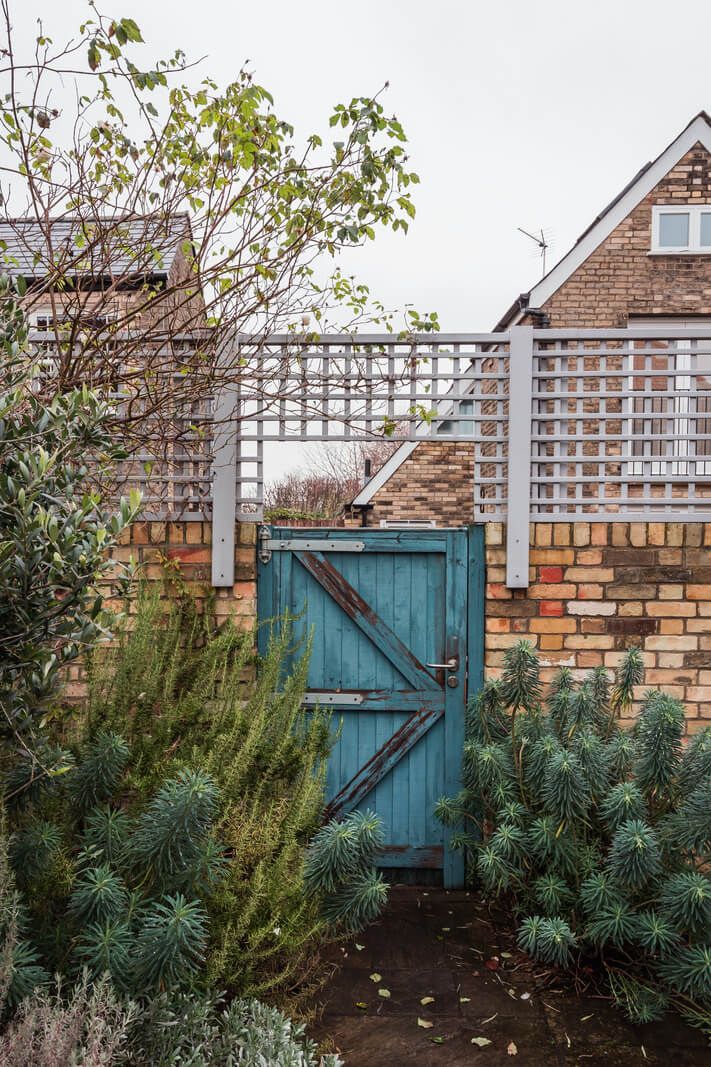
(449, 947)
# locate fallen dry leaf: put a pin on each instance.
(424, 1024)
(493, 963)
(384, 993)
(427, 1000)
(512, 1050)
(482, 1042)
(437, 1040)
(360, 947)
(375, 977)
(361, 1004)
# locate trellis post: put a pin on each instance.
(224, 487)
(519, 459)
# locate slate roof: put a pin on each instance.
(113, 246)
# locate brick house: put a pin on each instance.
(112, 270)
(594, 587)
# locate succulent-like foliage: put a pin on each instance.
(624, 801)
(340, 866)
(634, 856)
(604, 834)
(695, 762)
(33, 847)
(566, 790)
(106, 948)
(630, 674)
(171, 942)
(655, 933)
(169, 840)
(598, 892)
(689, 827)
(25, 972)
(98, 895)
(659, 731)
(552, 893)
(106, 831)
(688, 969)
(613, 923)
(551, 940)
(521, 687)
(686, 898)
(97, 777)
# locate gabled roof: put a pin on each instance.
(698, 131)
(144, 244)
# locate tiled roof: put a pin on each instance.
(111, 246)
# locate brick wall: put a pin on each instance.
(435, 482)
(597, 588)
(158, 547)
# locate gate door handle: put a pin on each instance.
(451, 664)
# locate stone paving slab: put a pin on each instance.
(452, 947)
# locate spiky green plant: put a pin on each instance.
(340, 867)
(600, 835)
(99, 894)
(97, 777)
(171, 942)
(33, 847)
(171, 837)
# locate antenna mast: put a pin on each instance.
(540, 241)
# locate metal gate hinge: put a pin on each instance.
(294, 544)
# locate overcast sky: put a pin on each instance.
(518, 114)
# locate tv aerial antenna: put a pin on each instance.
(542, 242)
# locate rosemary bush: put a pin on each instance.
(186, 694)
(600, 836)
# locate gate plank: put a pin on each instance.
(382, 762)
(366, 619)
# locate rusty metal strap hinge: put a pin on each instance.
(333, 697)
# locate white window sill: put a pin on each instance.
(680, 252)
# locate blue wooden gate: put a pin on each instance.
(396, 618)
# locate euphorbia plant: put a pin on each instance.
(600, 836)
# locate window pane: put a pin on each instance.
(674, 230)
(705, 238)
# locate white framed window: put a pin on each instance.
(681, 228)
(42, 319)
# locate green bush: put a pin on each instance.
(55, 529)
(601, 836)
(89, 1025)
(199, 1030)
(186, 694)
(124, 903)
